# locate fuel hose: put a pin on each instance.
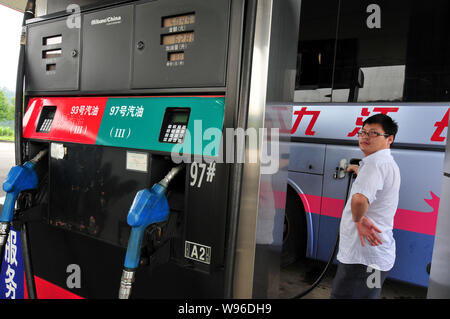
(29, 13)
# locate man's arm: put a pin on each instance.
(360, 205)
(366, 228)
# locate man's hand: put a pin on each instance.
(367, 230)
(353, 168)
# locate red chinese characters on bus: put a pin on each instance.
(438, 136)
(440, 126)
(365, 112)
(303, 111)
(281, 110)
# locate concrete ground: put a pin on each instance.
(7, 159)
(300, 275)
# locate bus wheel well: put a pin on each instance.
(295, 230)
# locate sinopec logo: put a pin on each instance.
(107, 21)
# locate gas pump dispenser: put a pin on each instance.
(139, 105)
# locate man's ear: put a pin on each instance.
(390, 139)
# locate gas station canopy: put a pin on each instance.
(18, 5)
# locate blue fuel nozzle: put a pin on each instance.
(148, 207)
(20, 178)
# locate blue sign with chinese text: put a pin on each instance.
(12, 270)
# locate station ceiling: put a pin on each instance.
(18, 5)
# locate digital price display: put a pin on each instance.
(183, 37)
(178, 20)
(176, 56)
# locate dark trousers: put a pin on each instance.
(356, 281)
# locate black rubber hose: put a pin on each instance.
(28, 266)
(335, 248)
(19, 109)
(18, 115)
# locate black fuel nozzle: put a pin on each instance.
(354, 161)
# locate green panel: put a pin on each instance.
(136, 123)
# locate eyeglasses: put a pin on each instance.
(371, 134)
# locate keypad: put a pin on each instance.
(174, 133)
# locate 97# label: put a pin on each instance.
(197, 252)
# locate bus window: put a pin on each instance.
(392, 51)
(371, 44)
(316, 48)
(428, 58)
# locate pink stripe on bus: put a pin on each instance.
(409, 220)
(419, 222)
(332, 207)
(311, 203)
(280, 199)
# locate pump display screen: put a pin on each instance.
(176, 56)
(180, 118)
(183, 37)
(174, 125)
(178, 20)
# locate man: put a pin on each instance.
(366, 244)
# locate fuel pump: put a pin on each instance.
(121, 92)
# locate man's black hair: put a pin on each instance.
(387, 123)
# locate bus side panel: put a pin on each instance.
(421, 174)
(305, 173)
(307, 158)
(414, 252)
(416, 216)
(309, 188)
(327, 237)
(334, 191)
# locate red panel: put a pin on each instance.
(76, 120)
(47, 290)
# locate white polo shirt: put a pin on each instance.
(379, 180)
